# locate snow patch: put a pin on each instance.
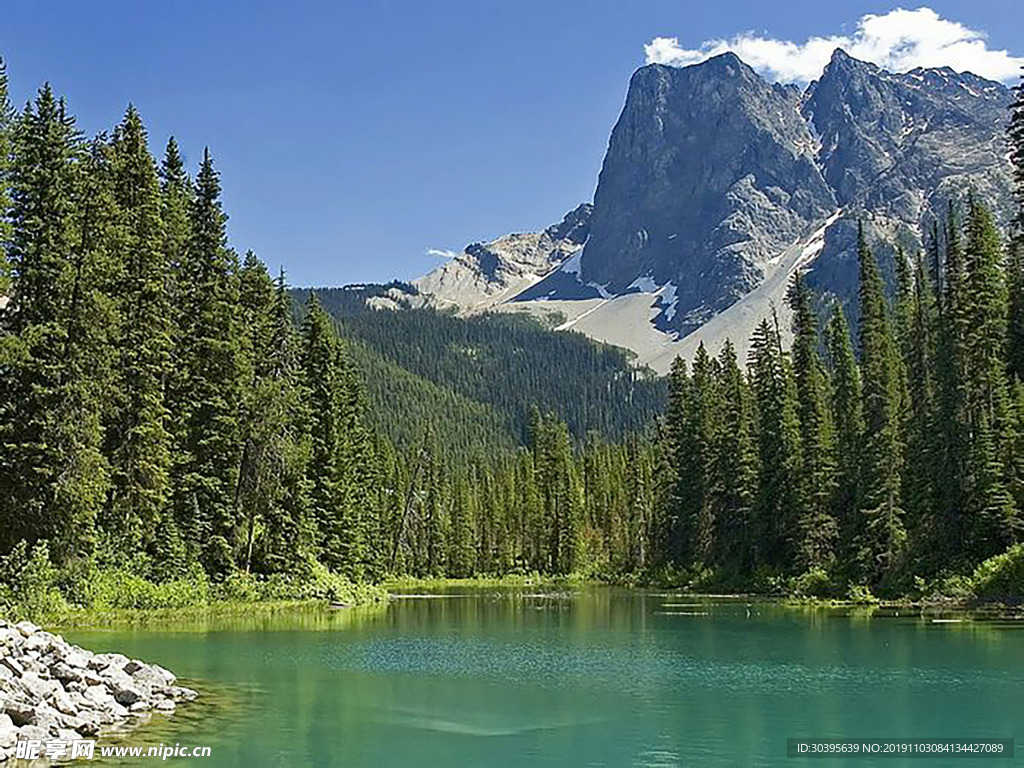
(572, 264)
(645, 283)
(669, 299)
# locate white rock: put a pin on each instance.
(63, 703)
(8, 733)
(26, 628)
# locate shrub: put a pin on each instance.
(28, 582)
(1000, 577)
(815, 582)
(860, 594)
(123, 589)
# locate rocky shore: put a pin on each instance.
(50, 689)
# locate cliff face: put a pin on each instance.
(896, 149)
(710, 173)
(718, 185)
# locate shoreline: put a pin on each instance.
(52, 690)
(929, 604)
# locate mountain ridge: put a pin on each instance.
(717, 183)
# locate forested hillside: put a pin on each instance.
(509, 363)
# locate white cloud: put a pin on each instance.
(441, 253)
(898, 41)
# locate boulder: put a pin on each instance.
(30, 732)
(65, 673)
(13, 665)
(26, 628)
(20, 713)
(126, 694)
(8, 731)
(63, 703)
(184, 694)
(102, 661)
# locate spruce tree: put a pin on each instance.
(706, 417)
(989, 424)
(208, 389)
(882, 534)
(818, 529)
(331, 471)
(779, 501)
(951, 444)
(847, 408)
(922, 446)
(735, 469)
(7, 122)
(1015, 256)
(137, 438)
(52, 471)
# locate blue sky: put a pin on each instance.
(353, 137)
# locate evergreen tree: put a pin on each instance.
(918, 344)
(138, 442)
(52, 473)
(270, 493)
(208, 390)
(706, 420)
(735, 469)
(882, 534)
(333, 493)
(779, 502)
(1015, 260)
(7, 123)
(950, 439)
(847, 407)
(818, 529)
(989, 424)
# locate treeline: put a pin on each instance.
(547, 508)
(163, 415)
(158, 407)
(899, 463)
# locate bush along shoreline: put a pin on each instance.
(50, 689)
(33, 588)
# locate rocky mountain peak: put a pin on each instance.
(710, 172)
(718, 186)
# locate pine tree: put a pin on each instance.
(882, 534)
(208, 389)
(735, 469)
(989, 426)
(818, 529)
(138, 442)
(779, 502)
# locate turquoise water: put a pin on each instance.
(597, 677)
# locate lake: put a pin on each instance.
(588, 677)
